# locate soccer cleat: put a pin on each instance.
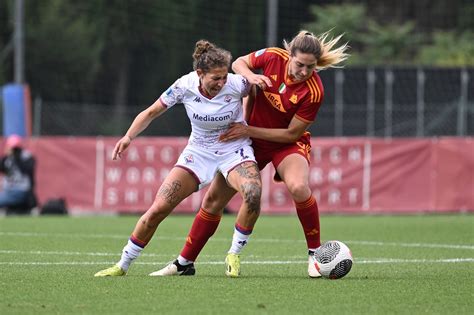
(114, 271)
(232, 265)
(313, 271)
(175, 269)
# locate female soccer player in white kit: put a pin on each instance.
(212, 98)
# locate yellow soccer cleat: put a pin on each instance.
(232, 265)
(114, 271)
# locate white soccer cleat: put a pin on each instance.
(175, 269)
(313, 267)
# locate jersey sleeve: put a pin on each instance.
(308, 110)
(240, 85)
(312, 101)
(174, 94)
(259, 58)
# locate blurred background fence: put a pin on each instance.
(380, 102)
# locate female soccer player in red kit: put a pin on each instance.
(287, 100)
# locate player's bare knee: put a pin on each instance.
(212, 204)
(299, 190)
(157, 212)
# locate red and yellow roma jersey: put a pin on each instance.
(277, 105)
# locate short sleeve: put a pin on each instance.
(243, 86)
(259, 58)
(174, 94)
(238, 84)
(308, 110)
(311, 103)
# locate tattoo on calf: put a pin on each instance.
(252, 192)
(169, 192)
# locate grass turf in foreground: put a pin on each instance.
(403, 265)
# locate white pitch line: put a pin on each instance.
(255, 240)
(256, 261)
(425, 261)
(67, 253)
(263, 262)
(450, 246)
(117, 254)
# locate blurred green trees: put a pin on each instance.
(126, 52)
(375, 42)
(449, 49)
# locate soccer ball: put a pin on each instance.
(333, 259)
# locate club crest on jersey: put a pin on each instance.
(260, 52)
(275, 100)
(294, 99)
(227, 98)
(274, 77)
(188, 159)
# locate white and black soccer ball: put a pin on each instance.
(333, 259)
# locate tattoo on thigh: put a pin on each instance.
(169, 192)
(248, 171)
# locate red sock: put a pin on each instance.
(308, 214)
(204, 226)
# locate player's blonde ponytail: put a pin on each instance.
(321, 46)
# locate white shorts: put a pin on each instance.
(204, 165)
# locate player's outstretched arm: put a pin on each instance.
(139, 124)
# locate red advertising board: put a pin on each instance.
(356, 175)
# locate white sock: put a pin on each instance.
(183, 261)
(129, 253)
(239, 240)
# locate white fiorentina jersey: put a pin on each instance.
(210, 117)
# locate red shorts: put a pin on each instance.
(264, 155)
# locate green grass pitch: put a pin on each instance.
(419, 264)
